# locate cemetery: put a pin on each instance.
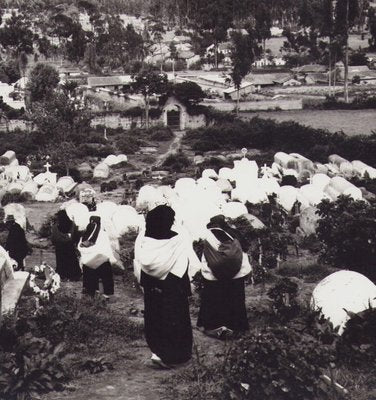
(280, 204)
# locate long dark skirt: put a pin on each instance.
(91, 277)
(223, 304)
(168, 328)
(67, 265)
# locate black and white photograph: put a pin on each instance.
(187, 199)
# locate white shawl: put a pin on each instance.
(159, 257)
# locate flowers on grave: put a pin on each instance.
(51, 281)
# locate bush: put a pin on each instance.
(161, 134)
(177, 162)
(347, 231)
(13, 198)
(276, 363)
(94, 150)
(46, 228)
(128, 144)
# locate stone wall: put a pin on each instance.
(262, 105)
(115, 120)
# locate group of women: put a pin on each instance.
(163, 263)
(90, 250)
(163, 259)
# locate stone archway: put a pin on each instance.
(174, 117)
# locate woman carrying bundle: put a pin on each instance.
(162, 257)
(224, 267)
(65, 239)
(96, 259)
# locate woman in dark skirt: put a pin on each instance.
(163, 257)
(65, 238)
(223, 310)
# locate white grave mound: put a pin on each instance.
(18, 211)
(209, 173)
(313, 193)
(283, 159)
(206, 183)
(30, 190)
(333, 170)
(234, 210)
(320, 180)
(301, 163)
(20, 172)
(340, 291)
(66, 184)
(148, 198)
(111, 160)
(342, 186)
(198, 159)
(346, 168)
(359, 167)
(287, 197)
(46, 177)
(308, 220)
(331, 192)
(289, 171)
(269, 185)
(78, 213)
(254, 221)
(126, 218)
(226, 173)
(101, 171)
(184, 187)
(336, 159)
(122, 158)
(8, 157)
(224, 185)
(303, 200)
(15, 187)
(48, 192)
(106, 209)
(320, 168)
(256, 194)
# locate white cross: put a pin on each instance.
(47, 166)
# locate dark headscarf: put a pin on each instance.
(159, 222)
(92, 230)
(64, 223)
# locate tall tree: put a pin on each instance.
(346, 13)
(243, 51)
(42, 82)
(148, 83)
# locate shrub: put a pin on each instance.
(128, 144)
(161, 134)
(284, 294)
(276, 363)
(12, 198)
(177, 162)
(46, 227)
(347, 231)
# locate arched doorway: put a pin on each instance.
(173, 118)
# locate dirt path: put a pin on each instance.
(173, 148)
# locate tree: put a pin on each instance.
(347, 230)
(90, 58)
(148, 83)
(242, 56)
(42, 83)
(22, 63)
(372, 28)
(16, 35)
(76, 44)
(189, 93)
(62, 153)
(174, 54)
(157, 31)
(59, 118)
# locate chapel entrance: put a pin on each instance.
(173, 119)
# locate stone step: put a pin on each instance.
(12, 291)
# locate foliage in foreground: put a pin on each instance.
(347, 230)
(34, 344)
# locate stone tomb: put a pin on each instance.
(11, 284)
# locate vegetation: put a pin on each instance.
(285, 136)
(347, 230)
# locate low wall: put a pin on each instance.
(115, 121)
(16, 124)
(262, 105)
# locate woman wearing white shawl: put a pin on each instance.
(162, 256)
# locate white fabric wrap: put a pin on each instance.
(159, 257)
